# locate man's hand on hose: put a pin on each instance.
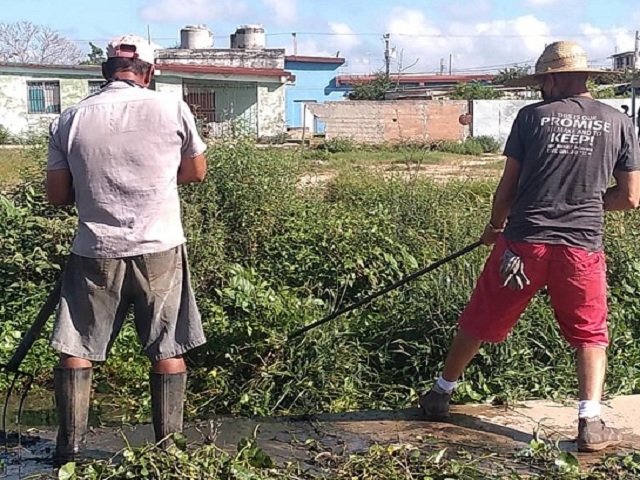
(490, 234)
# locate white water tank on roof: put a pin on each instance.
(249, 37)
(195, 37)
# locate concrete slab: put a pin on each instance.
(502, 430)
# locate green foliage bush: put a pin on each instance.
(466, 147)
(338, 145)
(6, 138)
(489, 144)
(268, 258)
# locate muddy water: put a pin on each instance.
(477, 429)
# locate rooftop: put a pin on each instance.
(311, 59)
(217, 70)
(160, 68)
(37, 66)
(623, 54)
(412, 79)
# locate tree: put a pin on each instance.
(25, 42)
(511, 73)
(474, 91)
(374, 89)
(96, 56)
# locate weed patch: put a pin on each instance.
(268, 258)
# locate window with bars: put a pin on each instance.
(43, 97)
(202, 100)
(94, 86)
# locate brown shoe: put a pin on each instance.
(594, 435)
(435, 405)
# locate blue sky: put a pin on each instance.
(479, 35)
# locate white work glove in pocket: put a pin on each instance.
(512, 271)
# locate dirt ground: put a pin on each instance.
(455, 168)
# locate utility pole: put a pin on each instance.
(450, 64)
(442, 66)
(295, 44)
(635, 80)
(149, 33)
(387, 55)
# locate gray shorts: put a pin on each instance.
(96, 296)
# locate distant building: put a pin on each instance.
(246, 83)
(412, 80)
(623, 61)
(315, 82)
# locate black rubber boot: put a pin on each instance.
(73, 393)
(167, 399)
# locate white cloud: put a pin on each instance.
(475, 45)
(343, 37)
(193, 10)
(471, 44)
(602, 43)
(540, 3)
(285, 11)
(341, 40)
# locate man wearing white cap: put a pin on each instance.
(119, 156)
(547, 225)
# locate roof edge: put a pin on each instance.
(314, 59)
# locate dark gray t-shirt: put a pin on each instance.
(568, 150)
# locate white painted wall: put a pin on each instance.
(272, 116)
(495, 117)
(170, 86)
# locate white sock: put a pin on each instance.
(446, 386)
(589, 409)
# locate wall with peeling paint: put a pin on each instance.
(170, 86)
(14, 114)
(271, 109)
(262, 105)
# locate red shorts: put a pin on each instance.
(575, 279)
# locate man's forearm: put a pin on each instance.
(501, 207)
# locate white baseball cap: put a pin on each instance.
(131, 46)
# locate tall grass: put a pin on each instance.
(268, 258)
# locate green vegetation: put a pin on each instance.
(268, 257)
(538, 461)
(373, 89)
(474, 91)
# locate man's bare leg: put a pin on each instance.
(593, 435)
(463, 349)
(435, 403)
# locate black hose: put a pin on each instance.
(385, 290)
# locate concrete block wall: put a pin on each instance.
(393, 121)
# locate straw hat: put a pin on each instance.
(557, 57)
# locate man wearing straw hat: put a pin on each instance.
(547, 227)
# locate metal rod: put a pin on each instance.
(33, 333)
(6, 406)
(385, 290)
